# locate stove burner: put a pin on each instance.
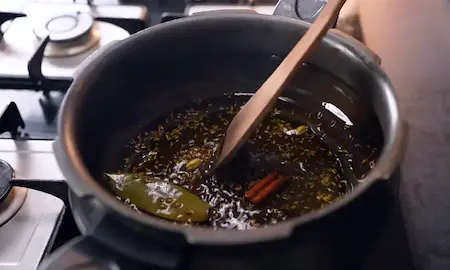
(6, 174)
(12, 204)
(11, 198)
(74, 47)
(65, 27)
(69, 34)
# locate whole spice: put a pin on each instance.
(160, 198)
(193, 164)
(265, 187)
(301, 130)
(269, 189)
(260, 185)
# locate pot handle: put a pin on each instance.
(81, 253)
(357, 44)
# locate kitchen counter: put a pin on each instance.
(413, 39)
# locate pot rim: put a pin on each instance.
(84, 185)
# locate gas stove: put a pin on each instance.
(45, 42)
(41, 45)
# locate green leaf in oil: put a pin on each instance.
(160, 198)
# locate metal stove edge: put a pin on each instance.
(27, 237)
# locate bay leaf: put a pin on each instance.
(160, 198)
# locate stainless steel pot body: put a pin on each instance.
(131, 81)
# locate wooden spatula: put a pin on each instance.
(252, 113)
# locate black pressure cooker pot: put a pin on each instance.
(126, 83)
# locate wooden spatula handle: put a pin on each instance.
(250, 116)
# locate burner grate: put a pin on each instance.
(31, 58)
(131, 19)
